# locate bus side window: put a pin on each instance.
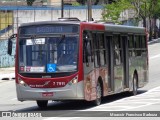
(143, 42)
(95, 49)
(131, 45)
(87, 47)
(102, 49)
(117, 50)
(143, 45)
(137, 45)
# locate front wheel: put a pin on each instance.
(98, 95)
(42, 103)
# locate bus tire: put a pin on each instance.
(42, 103)
(135, 79)
(98, 99)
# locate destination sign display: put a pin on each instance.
(48, 29)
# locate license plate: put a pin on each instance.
(47, 94)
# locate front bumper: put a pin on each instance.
(69, 92)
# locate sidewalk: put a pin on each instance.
(7, 73)
(154, 41)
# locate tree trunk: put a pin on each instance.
(144, 22)
(155, 2)
(155, 28)
(150, 29)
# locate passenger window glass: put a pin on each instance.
(137, 42)
(143, 42)
(131, 42)
(87, 47)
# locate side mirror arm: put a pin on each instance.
(10, 43)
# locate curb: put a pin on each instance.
(10, 76)
(154, 41)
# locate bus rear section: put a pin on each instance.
(115, 60)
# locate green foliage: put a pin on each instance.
(76, 4)
(112, 11)
(143, 9)
(157, 9)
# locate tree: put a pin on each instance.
(148, 9)
(144, 9)
(30, 2)
(112, 11)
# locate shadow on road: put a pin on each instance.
(77, 105)
(119, 96)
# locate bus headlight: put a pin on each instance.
(73, 81)
(21, 82)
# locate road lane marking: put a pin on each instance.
(133, 102)
(156, 56)
(61, 118)
(139, 106)
(14, 99)
(156, 88)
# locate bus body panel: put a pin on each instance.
(91, 81)
(136, 63)
(88, 74)
(48, 82)
(69, 92)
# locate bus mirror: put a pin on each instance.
(10, 47)
(10, 43)
(88, 48)
(87, 52)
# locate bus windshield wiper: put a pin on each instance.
(62, 38)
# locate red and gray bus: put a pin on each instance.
(74, 60)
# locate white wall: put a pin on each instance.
(25, 16)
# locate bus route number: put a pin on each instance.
(58, 83)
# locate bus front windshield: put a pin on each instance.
(48, 54)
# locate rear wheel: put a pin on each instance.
(135, 79)
(42, 103)
(98, 94)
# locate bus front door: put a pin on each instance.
(110, 66)
(125, 53)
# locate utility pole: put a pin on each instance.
(89, 4)
(62, 8)
(155, 17)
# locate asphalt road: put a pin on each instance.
(148, 98)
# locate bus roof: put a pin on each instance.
(119, 28)
(50, 22)
(124, 29)
(108, 27)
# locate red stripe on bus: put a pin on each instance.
(47, 82)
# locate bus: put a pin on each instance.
(73, 60)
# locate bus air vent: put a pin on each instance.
(68, 19)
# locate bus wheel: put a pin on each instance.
(135, 79)
(42, 103)
(98, 94)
